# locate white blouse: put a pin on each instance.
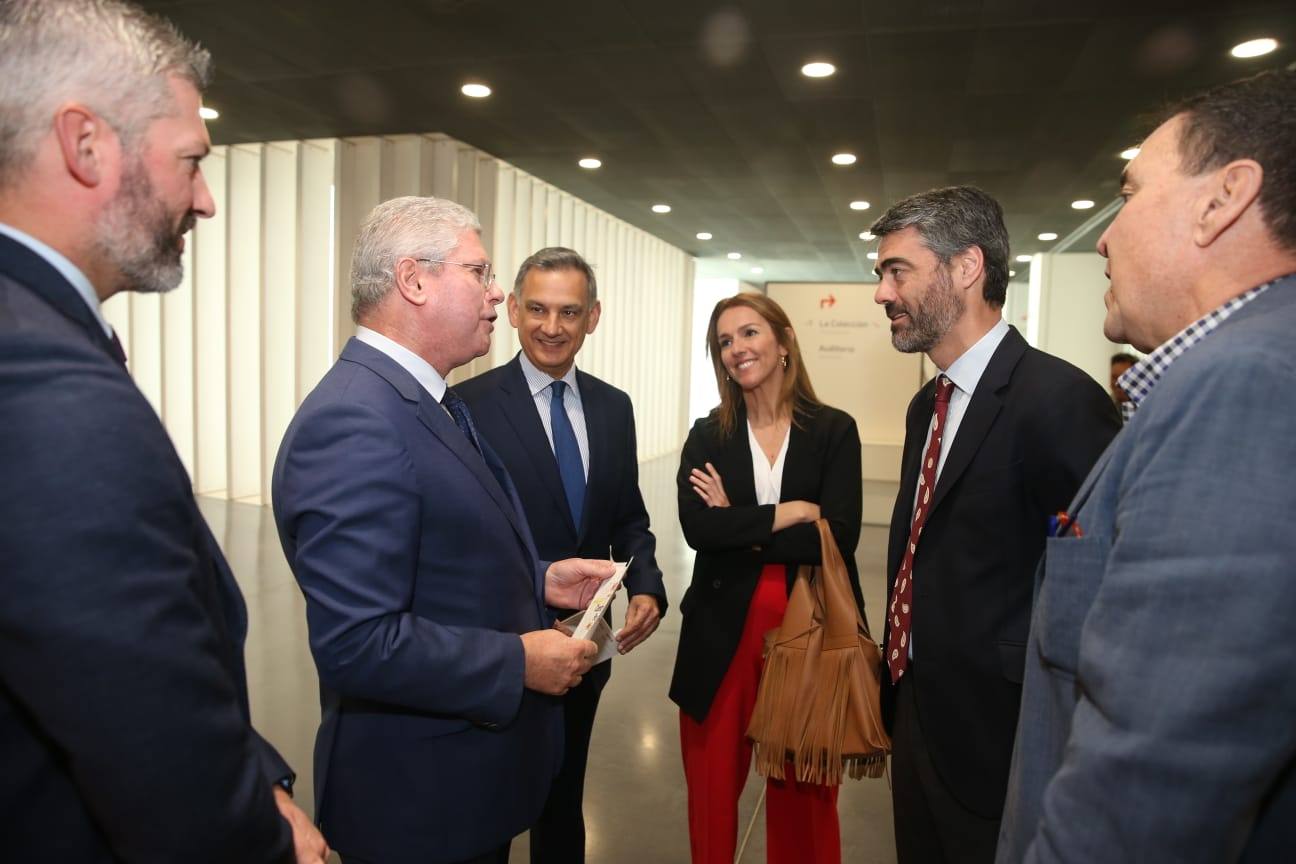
(768, 478)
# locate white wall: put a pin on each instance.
(265, 305)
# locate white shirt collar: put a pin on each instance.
(423, 373)
(967, 370)
(538, 379)
(66, 269)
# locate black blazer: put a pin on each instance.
(734, 543)
(614, 514)
(1032, 430)
(124, 723)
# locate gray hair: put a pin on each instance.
(954, 219)
(110, 55)
(553, 258)
(407, 227)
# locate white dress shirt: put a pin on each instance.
(538, 381)
(427, 377)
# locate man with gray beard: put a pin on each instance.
(997, 443)
(124, 722)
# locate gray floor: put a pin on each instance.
(634, 795)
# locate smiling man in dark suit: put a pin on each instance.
(568, 440)
(124, 719)
(998, 442)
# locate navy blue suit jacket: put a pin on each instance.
(124, 724)
(614, 515)
(419, 573)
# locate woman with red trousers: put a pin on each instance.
(754, 477)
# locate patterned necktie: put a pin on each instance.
(459, 411)
(567, 452)
(900, 614)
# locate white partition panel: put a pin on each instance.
(264, 307)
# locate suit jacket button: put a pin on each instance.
(715, 583)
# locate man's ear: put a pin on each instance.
(90, 147)
(967, 266)
(408, 283)
(594, 317)
(1230, 193)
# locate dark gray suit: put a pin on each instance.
(1158, 717)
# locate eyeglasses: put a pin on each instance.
(484, 273)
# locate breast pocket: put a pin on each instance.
(1073, 569)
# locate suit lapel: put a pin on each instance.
(520, 410)
(742, 488)
(39, 276)
(439, 423)
(981, 413)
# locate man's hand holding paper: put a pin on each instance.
(572, 583)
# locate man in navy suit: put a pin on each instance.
(439, 667)
(124, 722)
(573, 459)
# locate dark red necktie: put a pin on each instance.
(901, 610)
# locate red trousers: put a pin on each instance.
(800, 818)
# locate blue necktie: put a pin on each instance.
(459, 411)
(567, 452)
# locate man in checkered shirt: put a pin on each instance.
(1159, 710)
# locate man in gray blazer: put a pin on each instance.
(1159, 712)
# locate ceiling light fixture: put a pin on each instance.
(818, 70)
(843, 158)
(1254, 48)
(860, 205)
(1024, 259)
(1129, 153)
(476, 91)
(208, 113)
(866, 235)
(734, 256)
(1082, 204)
(590, 162)
(704, 235)
(661, 208)
(1012, 273)
(758, 269)
(872, 256)
(1048, 235)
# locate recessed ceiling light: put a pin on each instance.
(818, 70)
(661, 208)
(704, 235)
(1024, 259)
(872, 256)
(1012, 273)
(866, 235)
(843, 158)
(208, 113)
(1082, 204)
(734, 256)
(476, 91)
(758, 269)
(590, 162)
(1048, 235)
(1254, 48)
(860, 205)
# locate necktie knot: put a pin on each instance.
(559, 390)
(944, 389)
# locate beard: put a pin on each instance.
(930, 319)
(139, 237)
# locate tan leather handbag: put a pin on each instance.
(818, 706)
